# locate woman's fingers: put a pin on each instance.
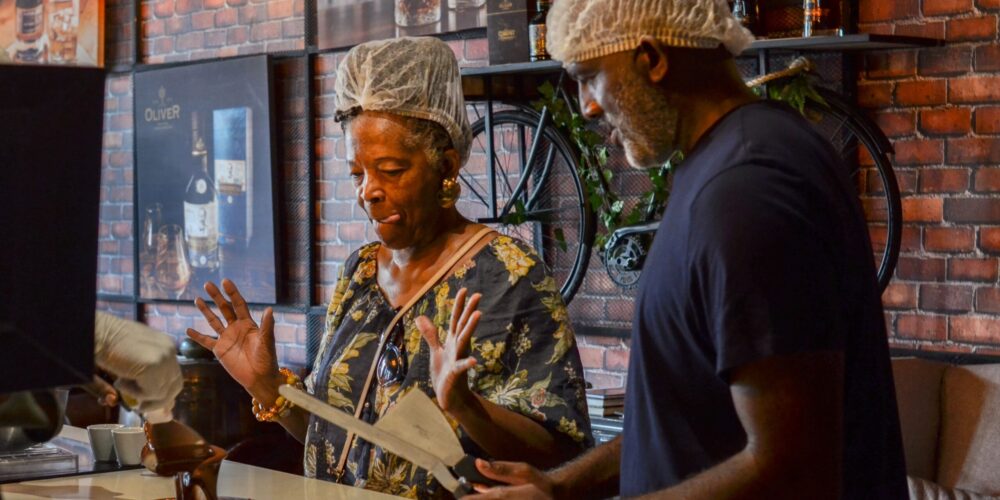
(220, 301)
(203, 340)
(457, 308)
(429, 332)
(239, 304)
(267, 326)
(464, 337)
(461, 366)
(470, 307)
(213, 320)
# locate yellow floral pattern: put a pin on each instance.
(524, 345)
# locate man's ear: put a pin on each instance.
(651, 59)
(451, 163)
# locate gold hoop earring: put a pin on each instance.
(449, 193)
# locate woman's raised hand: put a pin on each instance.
(450, 362)
(245, 349)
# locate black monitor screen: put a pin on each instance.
(50, 169)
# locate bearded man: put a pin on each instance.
(759, 363)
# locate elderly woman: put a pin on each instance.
(502, 363)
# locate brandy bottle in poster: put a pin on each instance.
(200, 212)
(29, 26)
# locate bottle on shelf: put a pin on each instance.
(536, 32)
(29, 26)
(201, 212)
(796, 18)
(745, 11)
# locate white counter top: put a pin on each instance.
(236, 480)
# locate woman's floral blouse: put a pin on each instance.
(526, 353)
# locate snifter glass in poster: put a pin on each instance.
(205, 180)
(68, 32)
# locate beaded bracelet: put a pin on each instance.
(282, 407)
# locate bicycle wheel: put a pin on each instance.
(550, 212)
(865, 150)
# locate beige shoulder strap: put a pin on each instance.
(443, 272)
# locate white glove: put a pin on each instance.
(143, 359)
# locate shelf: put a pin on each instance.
(525, 68)
(861, 41)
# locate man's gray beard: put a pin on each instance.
(659, 132)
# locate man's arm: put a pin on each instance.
(593, 475)
(791, 408)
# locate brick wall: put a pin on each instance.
(940, 107)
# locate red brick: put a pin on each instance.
(616, 360)
(975, 89)
(900, 296)
(896, 123)
(178, 24)
(252, 14)
(944, 180)
(984, 270)
(874, 95)
(919, 152)
(293, 29)
(921, 93)
(215, 38)
(946, 298)
(891, 64)
(988, 120)
(988, 300)
(873, 11)
(237, 35)
(973, 210)
(987, 180)
(946, 7)
(214, 4)
(945, 61)
(226, 17)
(878, 28)
(163, 8)
(202, 20)
(279, 9)
(921, 269)
(973, 151)
(923, 28)
(949, 239)
(988, 58)
(922, 327)
(989, 239)
(151, 29)
(949, 121)
(190, 41)
(988, 4)
(972, 29)
(974, 329)
(265, 31)
(186, 6)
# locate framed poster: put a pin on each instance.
(205, 179)
(69, 32)
(343, 23)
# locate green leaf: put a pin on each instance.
(561, 239)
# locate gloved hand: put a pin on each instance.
(143, 359)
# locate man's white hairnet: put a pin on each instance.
(414, 77)
(579, 30)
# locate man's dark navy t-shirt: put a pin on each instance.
(763, 251)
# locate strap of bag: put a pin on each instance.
(444, 271)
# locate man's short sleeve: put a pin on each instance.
(762, 267)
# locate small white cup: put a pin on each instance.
(128, 444)
(101, 441)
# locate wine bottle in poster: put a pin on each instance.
(232, 142)
(201, 213)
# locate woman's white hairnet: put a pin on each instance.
(579, 30)
(414, 77)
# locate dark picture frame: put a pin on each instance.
(206, 179)
(344, 23)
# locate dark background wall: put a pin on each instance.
(941, 107)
